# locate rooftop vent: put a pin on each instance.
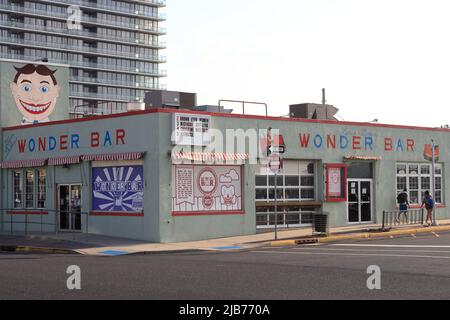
(313, 111)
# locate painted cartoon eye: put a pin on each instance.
(26, 88)
(44, 89)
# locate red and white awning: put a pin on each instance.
(60, 161)
(17, 164)
(209, 157)
(361, 158)
(114, 156)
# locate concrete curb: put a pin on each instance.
(362, 236)
(9, 248)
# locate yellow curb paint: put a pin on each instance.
(283, 243)
(390, 234)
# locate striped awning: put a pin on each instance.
(114, 156)
(17, 164)
(362, 158)
(60, 161)
(209, 157)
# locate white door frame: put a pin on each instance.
(359, 201)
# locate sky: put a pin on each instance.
(378, 59)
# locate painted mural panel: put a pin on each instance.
(118, 189)
(206, 189)
(33, 93)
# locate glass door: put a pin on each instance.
(69, 203)
(360, 201)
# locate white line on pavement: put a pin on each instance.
(372, 250)
(353, 254)
(388, 246)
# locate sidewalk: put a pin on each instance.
(96, 245)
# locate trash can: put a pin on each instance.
(321, 224)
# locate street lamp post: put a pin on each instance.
(433, 179)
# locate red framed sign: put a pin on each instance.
(207, 190)
(336, 182)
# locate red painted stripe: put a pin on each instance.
(115, 214)
(224, 115)
(439, 206)
(212, 213)
(27, 213)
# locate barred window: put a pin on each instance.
(296, 183)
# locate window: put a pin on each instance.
(297, 183)
(29, 189)
(41, 185)
(416, 179)
(18, 189)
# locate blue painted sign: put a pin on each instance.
(118, 189)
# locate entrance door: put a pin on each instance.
(69, 202)
(360, 201)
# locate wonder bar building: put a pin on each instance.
(147, 175)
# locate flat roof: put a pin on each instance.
(226, 115)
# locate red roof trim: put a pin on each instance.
(225, 115)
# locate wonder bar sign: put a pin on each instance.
(17, 145)
(356, 142)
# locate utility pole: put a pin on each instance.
(433, 179)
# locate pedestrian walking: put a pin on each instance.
(428, 203)
(403, 202)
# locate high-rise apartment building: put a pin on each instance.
(111, 46)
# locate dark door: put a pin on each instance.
(64, 207)
(69, 197)
(359, 201)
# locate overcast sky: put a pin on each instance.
(378, 59)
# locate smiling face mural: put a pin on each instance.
(35, 91)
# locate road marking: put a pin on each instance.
(389, 246)
(373, 250)
(227, 248)
(436, 235)
(353, 254)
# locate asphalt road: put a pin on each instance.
(410, 269)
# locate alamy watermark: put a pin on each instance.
(74, 280)
(74, 20)
(374, 281)
(255, 143)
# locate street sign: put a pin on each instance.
(275, 163)
(277, 149)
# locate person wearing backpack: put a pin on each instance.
(428, 203)
(403, 202)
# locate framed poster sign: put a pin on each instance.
(191, 130)
(336, 182)
(203, 190)
(118, 189)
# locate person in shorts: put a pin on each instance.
(403, 203)
(428, 203)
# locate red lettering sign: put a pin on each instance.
(95, 140)
(63, 142)
(388, 144)
(120, 136)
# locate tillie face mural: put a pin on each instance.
(35, 91)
